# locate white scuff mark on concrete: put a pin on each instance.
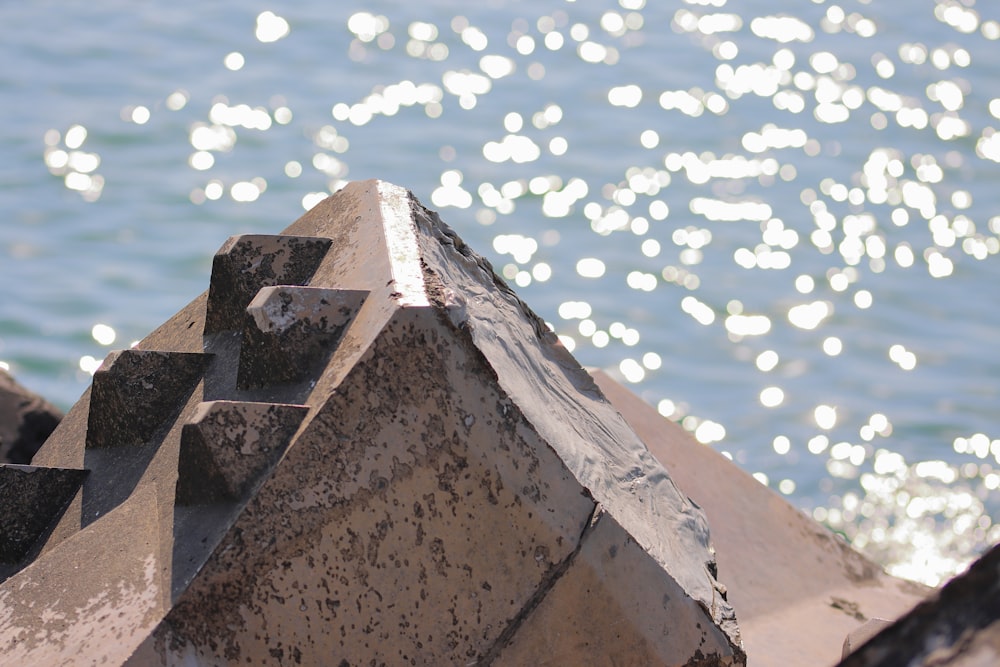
(401, 241)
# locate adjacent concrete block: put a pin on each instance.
(863, 633)
(959, 626)
(396, 463)
(246, 263)
(26, 420)
(797, 588)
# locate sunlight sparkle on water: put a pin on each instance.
(271, 27)
(103, 334)
(771, 397)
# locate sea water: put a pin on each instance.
(777, 222)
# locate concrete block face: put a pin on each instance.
(589, 434)
(246, 263)
(361, 448)
(229, 445)
(959, 626)
(135, 392)
(863, 633)
(91, 599)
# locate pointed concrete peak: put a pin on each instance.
(374, 241)
(248, 262)
(135, 391)
(228, 446)
(33, 498)
(290, 332)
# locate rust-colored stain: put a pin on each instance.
(359, 447)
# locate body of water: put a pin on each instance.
(778, 222)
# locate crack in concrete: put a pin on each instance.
(547, 583)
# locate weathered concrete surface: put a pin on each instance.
(797, 588)
(90, 599)
(418, 474)
(611, 594)
(33, 498)
(135, 392)
(957, 627)
(290, 331)
(26, 420)
(229, 445)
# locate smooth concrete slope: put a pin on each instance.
(358, 447)
(798, 589)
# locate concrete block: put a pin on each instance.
(611, 606)
(229, 445)
(863, 633)
(137, 391)
(361, 447)
(91, 599)
(797, 588)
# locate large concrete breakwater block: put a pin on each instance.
(358, 447)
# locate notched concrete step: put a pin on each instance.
(228, 446)
(289, 332)
(32, 499)
(246, 263)
(136, 391)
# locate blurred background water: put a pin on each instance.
(778, 222)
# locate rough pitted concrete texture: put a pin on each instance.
(248, 262)
(359, 447)
(32, 498)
